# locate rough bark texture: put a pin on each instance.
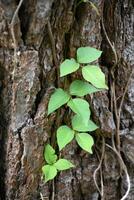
(26, 87)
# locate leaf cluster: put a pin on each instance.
(81, 124)
(53, 165)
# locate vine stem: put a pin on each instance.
(51, 37)
(112, 85)
(113, 95)
(14, 45)
(125, 170)
(55, 60)
(41, 196)
(99, 168)
(53, 190)
(12, 29)
(125, 91)
(52, 43)
(117, 113)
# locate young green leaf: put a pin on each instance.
(49, 154)
(81, 108)
(63, 164)
(82, 88)
(68, 66)
(85, 141)
(49, 171)
(87, 54)
(94, 75)
(78, 124)
(64, 136)
(58, 99)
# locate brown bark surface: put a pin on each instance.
(46, 32)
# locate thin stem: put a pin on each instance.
(53, 190)
(41, 196)
(125, 170)
(117, 120)
(52, 43)
(99, 168)
(12, 29)
(126, 88)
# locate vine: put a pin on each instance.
(73, 98)
(81, 123)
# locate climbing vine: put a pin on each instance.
(81, 124)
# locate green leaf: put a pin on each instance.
(85, 141)
(81, 108)
(82, 88)
(58, 98)
(68, 66)
(49, 171)
(87, 54)
(94, 75)
(79, 126)
(64, 136)
(49, 154)
(63, 164)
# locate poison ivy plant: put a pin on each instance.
(64, 136)
(85, 141)
(79, 126)
(49, 154)
(68, 66)
(81, 88)
(81, 108)
(81, 123)
(53, 165)
(87, 54)
(58, 99)
(63, 164)
(49, 171)
(94, 75)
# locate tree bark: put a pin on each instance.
(46, 32)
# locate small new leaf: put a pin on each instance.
(64, 136)
(78, 124)
(85, 141)
(49, 154)
(49, 171)
(81, 108)
(58, 99)
(63, 164)
(82, 88)
(87, 54)
(68, 66)
(94, 75)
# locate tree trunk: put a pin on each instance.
(41, 36)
